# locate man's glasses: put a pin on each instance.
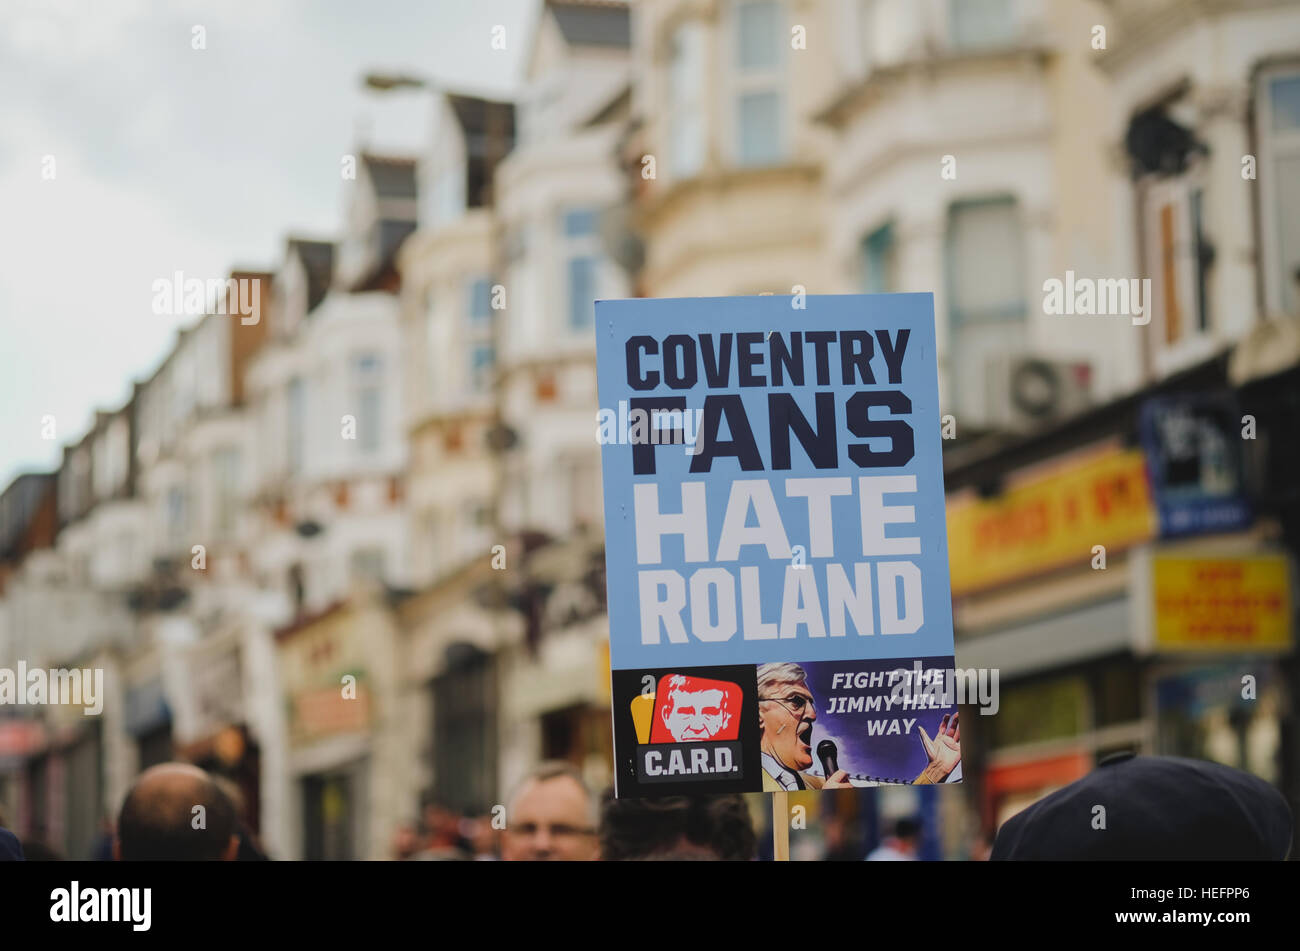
(558, 831)
(796, 703)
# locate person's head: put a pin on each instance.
(907, 835)
(437, 820)
(550, 817)
(835, 832)
(37, 851)
(694, 714)
(175, 812)
(1156, 807)
(479, 835)
(715, 828)
(232, 792)
(405, 842)
(785, 714)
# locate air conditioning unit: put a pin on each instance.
(1025, 392)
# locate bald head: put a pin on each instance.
(159, 820)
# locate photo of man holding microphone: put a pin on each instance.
(787, 712)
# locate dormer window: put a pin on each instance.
(686, 103)
(980, 24)
(759, 82)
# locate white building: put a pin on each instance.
(561, 207)
(560, 202)
(969, 162)
(327, 392)
(1205, 108)
(448, 278)
(724, 103)
(329, 502)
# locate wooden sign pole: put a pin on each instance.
(781, 826)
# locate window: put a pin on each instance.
(225, 491)
(1176, 265)
(480, 367)
(352, 256)
(759, 104)
(465, 729)
(432, 351)
(867, 35)
(582, 292)
(583, 256)
(535, 111)
(475, 530)
(448, 195)
(479, 306)
(368, 400)
(758, 24)
(112, 458)
(580, 485)
(368, 564)
(1278, 132)
(986, 290)
(1200, 248)
(101, 470)
(878, 261)
(478, 339)
(579, 223)
(297, 421)
(1200, 715)
(1041, 710)
(980, 23)
(430, 552)
(986, 263)
(760, 118)
(516, 244)
(686, 85)
(177, 517)
(296, 580)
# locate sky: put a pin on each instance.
(165, 157)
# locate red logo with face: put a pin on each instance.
(693, 708)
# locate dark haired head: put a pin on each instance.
(159, 821)
(703, 827)
(907, 829)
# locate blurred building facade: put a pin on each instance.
(351, 555)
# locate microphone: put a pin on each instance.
(829, 755)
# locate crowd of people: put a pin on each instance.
(553, 815)
(1129, 807)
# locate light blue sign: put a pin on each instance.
(773, 480)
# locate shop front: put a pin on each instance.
(1130, 595)
(1042, 572)
(148, 722)
(20, 738)
(1220, 628)
(348, 765)
(212, 732)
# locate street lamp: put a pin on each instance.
(386, 81)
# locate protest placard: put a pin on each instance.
(776, 555)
